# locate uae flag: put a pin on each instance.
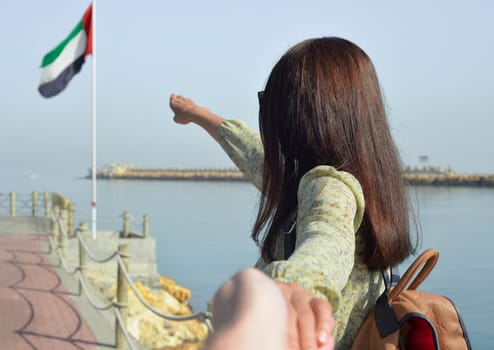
(65, 60)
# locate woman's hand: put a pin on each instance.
(186, 111)
(310, 319)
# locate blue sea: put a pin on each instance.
(202, 231)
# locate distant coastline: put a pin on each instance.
(414, 176)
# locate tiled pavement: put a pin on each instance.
(36, 309)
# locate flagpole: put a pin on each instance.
(93, 120)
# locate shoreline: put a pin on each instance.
(430, 176)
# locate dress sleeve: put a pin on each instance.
(244, 147)
(330, 210)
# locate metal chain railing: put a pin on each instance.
(90, 254)
(81, 280)
(14, 203)
(60, 233)
(203, 315)
(23, 204)
(123, 327)
(4, 202)
(130, 227)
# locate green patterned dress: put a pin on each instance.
(330, 210)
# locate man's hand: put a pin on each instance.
(251, 312)
(310, 319)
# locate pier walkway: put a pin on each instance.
(39, 304)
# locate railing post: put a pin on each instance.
(145, 226)
(54, 229)
(82, 254)
(12, 204)
(65, 220)
(62, 236)
(122, 296)
(126, 224)
(47, 204)
(70, 223)
(34, 196)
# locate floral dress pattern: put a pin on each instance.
(330, 210)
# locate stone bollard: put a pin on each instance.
(81, 230)
(55, 229)
(145, 226)
(122, 296)
(62, 236)
(47, 204)
(70, 220)
(52, 237)
(64, 214)
(126, 224)
(34, 196)
(12, 203)
(64, 219)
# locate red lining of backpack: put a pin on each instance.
(420, 336)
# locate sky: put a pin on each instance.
(433, 58)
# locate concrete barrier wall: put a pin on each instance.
(142, 256)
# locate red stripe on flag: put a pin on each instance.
(87, 22)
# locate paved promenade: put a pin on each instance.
(39, 305)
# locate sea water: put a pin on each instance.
(202, 232)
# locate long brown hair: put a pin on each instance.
(322, 105)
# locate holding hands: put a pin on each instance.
(251, 311)
(310, 319)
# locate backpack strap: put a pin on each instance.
(420, 268)
(385, 318)
(387, 278)
(395, 275)
(391, 277)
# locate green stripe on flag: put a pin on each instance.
(53, 54)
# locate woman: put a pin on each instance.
(328, 169)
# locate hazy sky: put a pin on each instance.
(434, 60)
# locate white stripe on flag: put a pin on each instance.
(73, 50)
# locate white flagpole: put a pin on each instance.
(93, 120)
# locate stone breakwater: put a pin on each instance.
(130, 172)
(150, 330)
(453, 179)
(414, 176)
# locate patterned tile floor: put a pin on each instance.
(36, 311)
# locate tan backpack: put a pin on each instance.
(406, 319)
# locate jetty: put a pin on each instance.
(63, 288)
(132, 172)
(424, 175)
(428, 175)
